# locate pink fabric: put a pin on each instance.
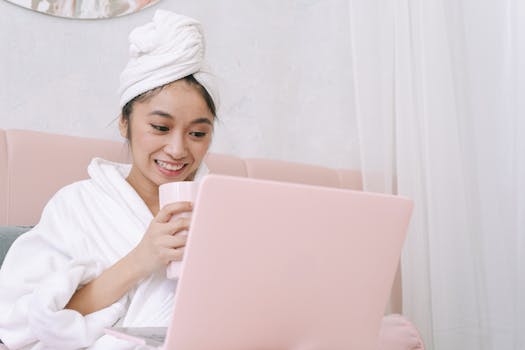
(38, 164)
(279, 170)
(397, 333)
(23, 151)
(226, 165)
(350, 179)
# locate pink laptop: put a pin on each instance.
(281, 266)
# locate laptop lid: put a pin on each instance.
(272, 265)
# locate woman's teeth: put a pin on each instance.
(170, 166)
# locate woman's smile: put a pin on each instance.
(170, 169)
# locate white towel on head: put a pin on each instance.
(169, 48)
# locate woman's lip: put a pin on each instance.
(171, 173)
(170, 162)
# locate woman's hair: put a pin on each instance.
(145, 96)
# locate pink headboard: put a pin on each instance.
(34, 165)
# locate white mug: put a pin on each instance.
(181, 191)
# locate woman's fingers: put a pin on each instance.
(173, 242)
(171, 209)
(178, 225)
(173, 248)
(170, 248)
(163, 242)
(170, 228)
(173, 255)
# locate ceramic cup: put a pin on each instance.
(182, 191)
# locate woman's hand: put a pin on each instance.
(162, 242)
(160, 245)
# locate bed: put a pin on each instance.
(34, 165)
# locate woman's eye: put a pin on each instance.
(198, 134)
(160, 127)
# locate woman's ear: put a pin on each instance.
(123, 126)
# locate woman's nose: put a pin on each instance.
(176, 147)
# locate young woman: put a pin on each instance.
(98, 256)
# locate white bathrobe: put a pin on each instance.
(84, 229)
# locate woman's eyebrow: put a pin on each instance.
(195, 121)
(202, 121)
(161, 114)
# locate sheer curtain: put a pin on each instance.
(440, 107)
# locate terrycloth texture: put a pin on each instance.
(8, 234)
(85, 228)
(169, 48)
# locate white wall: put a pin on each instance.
(284, 69)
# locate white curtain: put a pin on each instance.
(439, 89)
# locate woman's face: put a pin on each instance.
(170, 135)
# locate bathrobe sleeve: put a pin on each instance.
(41, 272)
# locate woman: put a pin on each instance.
(99, 252)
